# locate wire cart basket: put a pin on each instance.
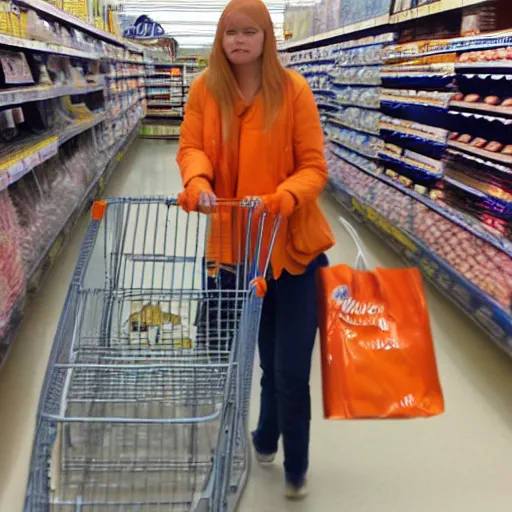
(145, 402)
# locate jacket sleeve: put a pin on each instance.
(310, 176)
(192, 159)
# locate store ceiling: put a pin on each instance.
(192, 22)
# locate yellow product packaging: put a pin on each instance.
(15, 23)
(24, 33)
(78, 8)
(150, 325)
(5, 18)
(99, 22)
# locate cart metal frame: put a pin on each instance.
(144, 407)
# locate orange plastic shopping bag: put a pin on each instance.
(378, 358)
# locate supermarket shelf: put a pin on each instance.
(95, 189)
(48, 256)
(169, 64)
(367, 85)
(163, 104)
(353, 163)
(488, 155)
(161, 83)
(125, 109)
(80, 127)
(50, 10)
(337, 122)
(420, 49)
(451, 214)
(324, 92)
(349, 29)
(481, 108)
(161, 137)
(432, 9)
(129, 61)
(38, 46)
(320, 60)
(364, 107)
(480, 308)
(38, 151)
(359, 150)
(37, 93)
(165, 115)
(381, 21)
(125, 76)
(489, 66)
(356, 65)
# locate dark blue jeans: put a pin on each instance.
(288, 328)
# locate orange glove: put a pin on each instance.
(191, 197)
(281, 203)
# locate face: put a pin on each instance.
(243, 39)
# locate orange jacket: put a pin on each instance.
(289, 156)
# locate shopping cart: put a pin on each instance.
(145, 402)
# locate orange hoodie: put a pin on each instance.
(289, 156)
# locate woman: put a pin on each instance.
(252, 128)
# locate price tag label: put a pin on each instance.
(32, 160)
(16, 170)
(49, 150)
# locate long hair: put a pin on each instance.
(220, 79)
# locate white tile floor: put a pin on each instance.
(458, 462)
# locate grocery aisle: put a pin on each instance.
(458, 462)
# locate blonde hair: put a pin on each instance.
(220, 79)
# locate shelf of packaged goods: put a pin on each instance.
(421, 49)
(159, 137)
(379, 40)
(480, 308)
(348, 105)
(26, 157)
(334, 120)
(48, 256)
(163, 104)
(432, 9)
(125, 76)
(368, 85)
(169, 65)
(319, 60)
(39, 46)
(164, 114)
(358, 150)
(80, 127)
(482, 153)
(341, 65)
(164, 83)
(129, 61)
(125, 109)
(463, 221)
(372, 23)
(481, 108)
(21, 95)
(487, 67)
(50, 10)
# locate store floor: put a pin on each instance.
(457, 462)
